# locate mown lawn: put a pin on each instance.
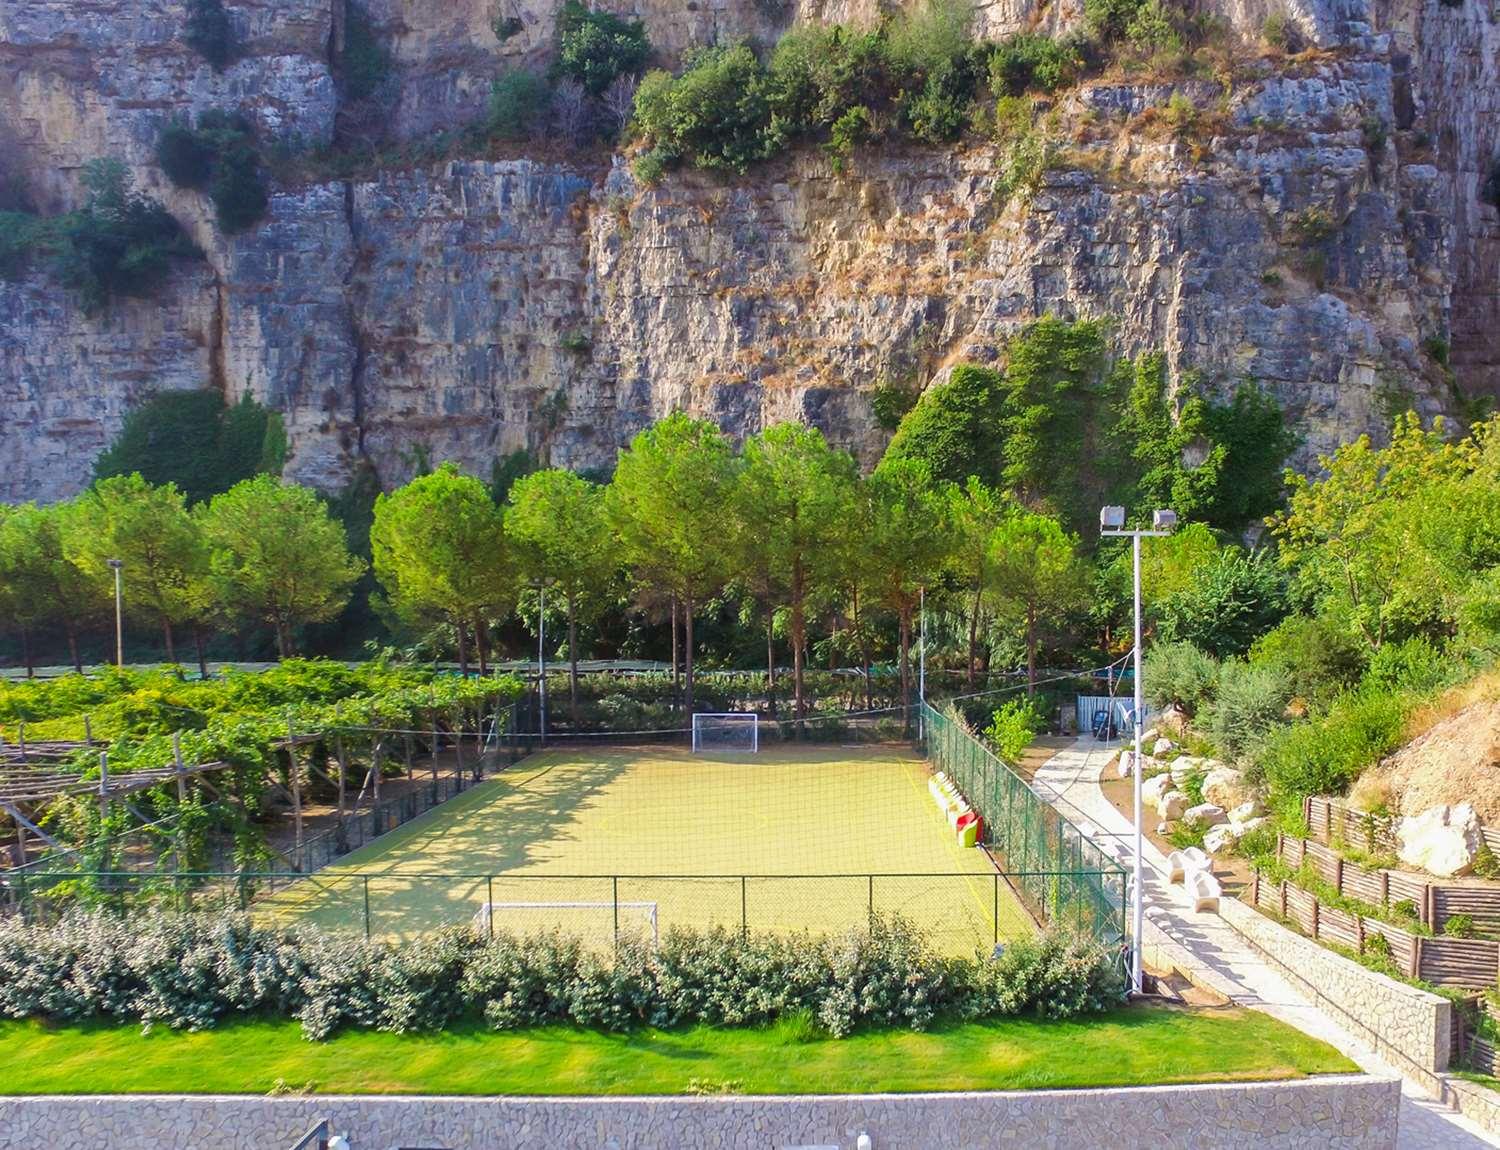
(1129, 1047)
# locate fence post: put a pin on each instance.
(1338, 873)
(615, 886)
(744, 916)
(871, 879)
(1385, 887)
(995, 909)
(1283, 898)
(489, 899)
(1416, 957)
(366, 881)
(1315, 917)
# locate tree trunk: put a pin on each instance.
(166, 634)
(202, 659)
(463, 648)
(974, 631)
(283, 640)
(687, 637)
(482, 643)
(799, 642)
(1031, 649)
(673, 608)
(771, 657)
(904, 616)
(573, 659)
(73, 649)
(864, 651)
(26, 655)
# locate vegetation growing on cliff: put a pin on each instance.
(192, 440)
(219, 156)
(210, 32)
(919, 73)
(120, 243)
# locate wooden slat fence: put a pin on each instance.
(1435, 903)
(1331, 820)
(1471, 963)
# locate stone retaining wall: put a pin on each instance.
(1336, 1112)
(1409, 1027)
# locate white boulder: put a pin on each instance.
(1123, 764)
(1185, 767)
(1206, 815)
(1153, 788)
(1226, 787)
(1249, 825)
(1247, 810)
(1442, 840)
(1172, 805)
(1220, 839)
(1149, 736)
(1162, 746)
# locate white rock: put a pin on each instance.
(1185, 767)
(1123, 764)
(1153, 789)
(1149, 736)
(1226, 787)
(1172, 805)
(1206, 814)
(1220, 839)
(1163, 828)
(1250, 824)
(1246, 811)
(1441, 840)
(1162, 746)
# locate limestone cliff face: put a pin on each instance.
(1312, 241)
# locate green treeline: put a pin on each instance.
(778, 550)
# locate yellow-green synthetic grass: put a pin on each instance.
(1135, 1046)
(800, 815)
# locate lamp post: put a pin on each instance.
(541, 655)
(921, 661)
(116, 565)
(1112, 522)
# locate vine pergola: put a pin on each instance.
(37, 775)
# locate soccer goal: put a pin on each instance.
(588, 920)
(736, 731)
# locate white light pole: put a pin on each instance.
(1112, 522)
(116, 565)
(541, 654)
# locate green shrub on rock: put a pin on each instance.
(596, 47)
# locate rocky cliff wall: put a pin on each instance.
(472, 308)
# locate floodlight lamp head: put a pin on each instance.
(116, 563)
(1163, 519)
(338, 1142)
(1111, 518)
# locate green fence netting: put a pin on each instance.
(1060, 875)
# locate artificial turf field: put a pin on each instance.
(807, 825)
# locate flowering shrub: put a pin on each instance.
(190, 971)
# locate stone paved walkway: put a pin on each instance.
(1216, 953)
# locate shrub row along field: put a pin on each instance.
(192, 972)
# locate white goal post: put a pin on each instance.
(726, 731)
(588, 918)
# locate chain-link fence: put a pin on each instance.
(1060, 875)
(958, 913)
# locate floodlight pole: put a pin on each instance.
(541, 655)
(117, 564)
(1112, 523)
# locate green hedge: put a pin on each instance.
(192, 971)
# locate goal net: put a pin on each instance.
(590, 921)
(738, 731)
